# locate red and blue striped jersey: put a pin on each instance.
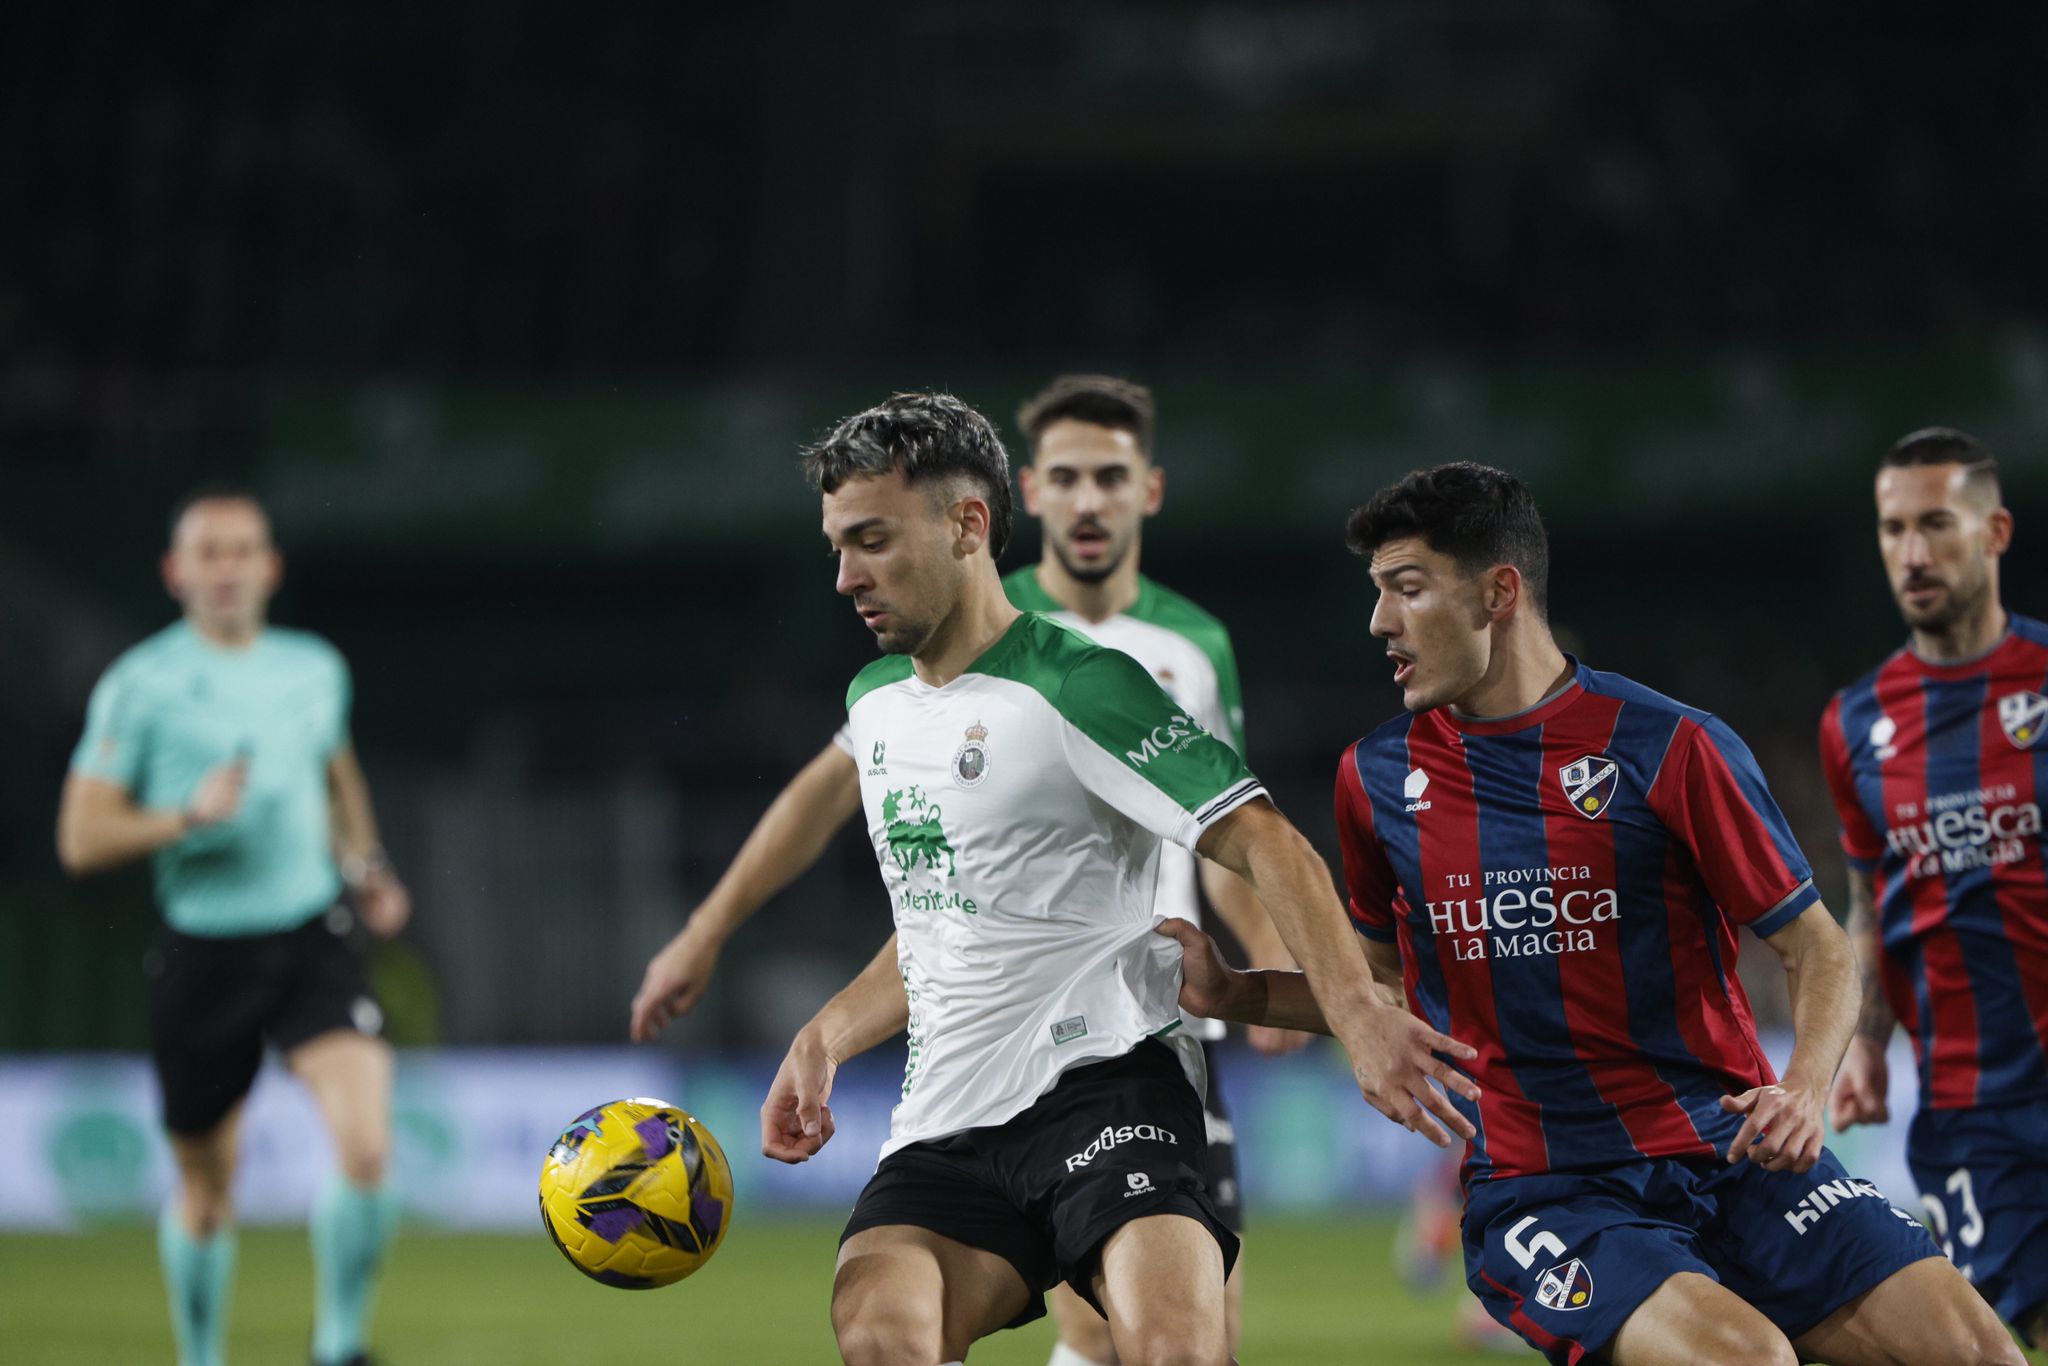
(1565, 887)
(1938, 771)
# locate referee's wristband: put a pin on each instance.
(357, 868)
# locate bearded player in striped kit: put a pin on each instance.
(1937, 765)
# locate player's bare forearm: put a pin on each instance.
(1820, 974)
(1874, 1017)
(354, 820)
(99, 826)
(1258, 844)
(1239, 907)
(791, 835)
(871, 1008)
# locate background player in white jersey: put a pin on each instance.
(1021, 784)
(1092, 484)
(220, 747)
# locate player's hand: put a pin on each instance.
(796, 1121)
(1274, 1042)
(1395, 1056)
(1781, 1127)
(1207, 983)
(219, 794)
(382, 903)
(1861, 1086)
(673, 983)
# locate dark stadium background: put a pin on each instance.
(518, 317)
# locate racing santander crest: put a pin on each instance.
(970, 761)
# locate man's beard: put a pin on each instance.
(1962, 602)
(906, 639)
(1087, 573)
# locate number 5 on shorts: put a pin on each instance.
(1543, 1244)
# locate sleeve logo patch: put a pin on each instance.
(1069, 1029)
(1171, 736)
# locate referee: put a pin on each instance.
(220, 747)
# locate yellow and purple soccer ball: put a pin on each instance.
(636, 1193)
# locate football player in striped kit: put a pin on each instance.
(1938, 769)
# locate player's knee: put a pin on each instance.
(873, 1336)
(1175, 1343)
(1747, 1344)
(205, 1210)
(366, 1161)
(1988, 1345)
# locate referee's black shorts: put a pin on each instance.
(214, 1003)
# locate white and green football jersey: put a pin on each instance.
(1188, 652)
(1018, 814)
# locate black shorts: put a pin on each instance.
(215, 1002)
(1219, 1167)
(1112, 1141)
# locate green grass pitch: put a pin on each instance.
(1317, 1292)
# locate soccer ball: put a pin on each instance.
(636, 1193)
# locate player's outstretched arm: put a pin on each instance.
(1239, 907)
(381, 899)
(1861, 1087)
(796, 1119)
(790, 836)
(100, 825)
(1393, 1054)
(1782, 1129)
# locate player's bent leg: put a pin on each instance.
(1233, 1304)
(1083, 1334)
(1159, 1280)
(1925, 1314)
(905, 1296)
(1693, 1320)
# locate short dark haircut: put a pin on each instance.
(1947, 446)
(1477, 515)
(932, 438)
(1104, 400)
(214, 491)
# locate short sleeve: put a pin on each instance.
(1862, 845)
(842, 740)
(1135, 748)
(1712, 797)
(116, 733)
(344, 703)
(1369, 883)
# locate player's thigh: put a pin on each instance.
(206, 1160)
(1693, 1320)
(1080, 1327)
(1159, 1280)
(1925, 1314)
(349, 1074)
(903, 1293)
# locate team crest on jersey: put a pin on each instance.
(2023, 716)
(970, 761)
(1565, 1287)
(1589, 784)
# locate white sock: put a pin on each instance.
(1063, 1355)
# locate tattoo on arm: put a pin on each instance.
(1874, 1019)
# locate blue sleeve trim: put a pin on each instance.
(1786, 911)
(1378, 934)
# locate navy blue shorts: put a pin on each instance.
(1565, 1259)
(1983, 1177)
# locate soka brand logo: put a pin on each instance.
(1589, 784)
(1171, 736)
(2023, 716)
(1417, 784)
(1116, 1137)
(1882, 732)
